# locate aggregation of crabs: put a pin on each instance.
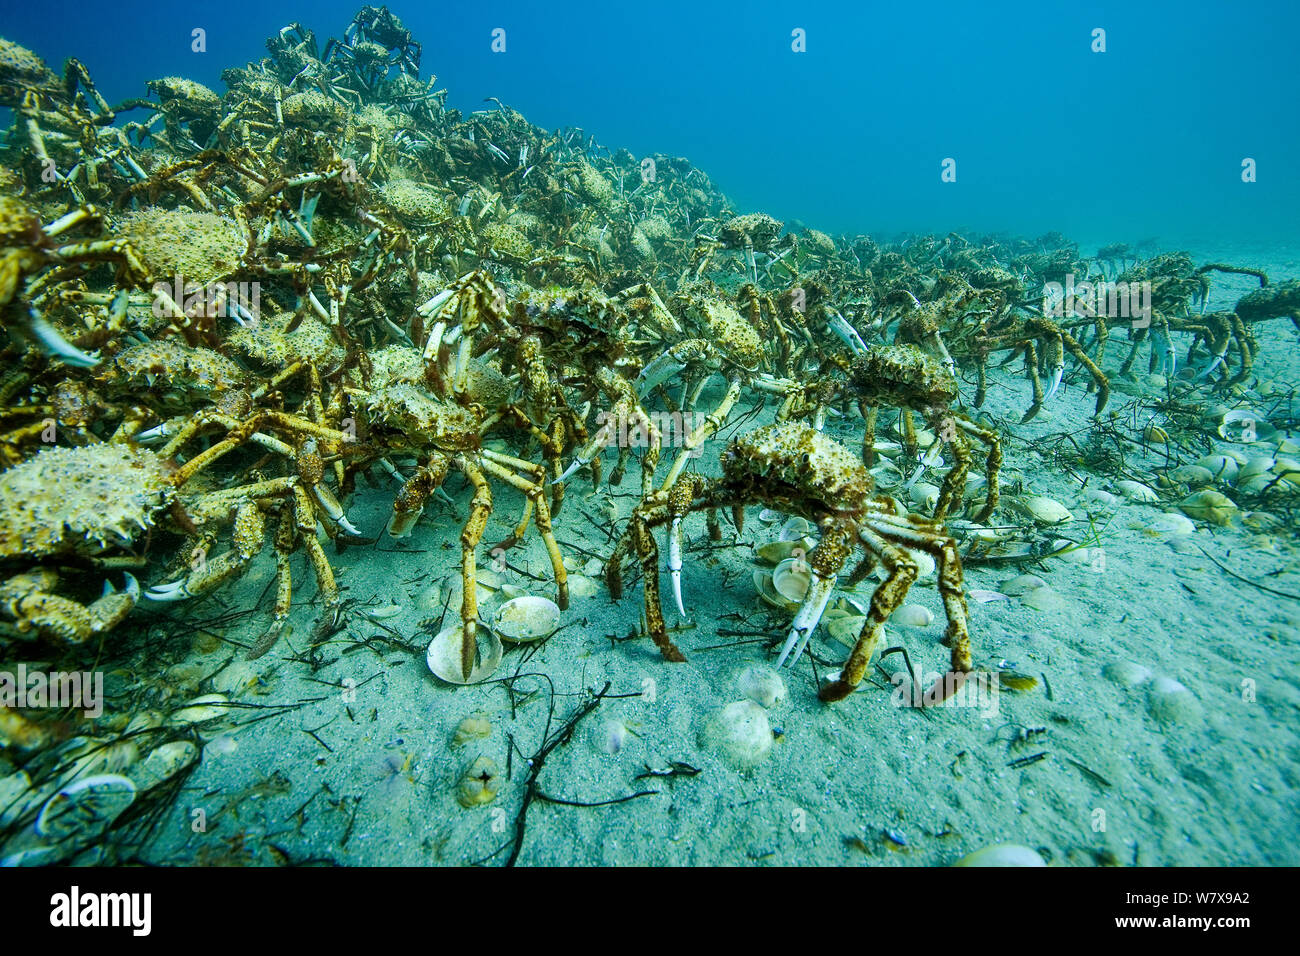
(432, 288)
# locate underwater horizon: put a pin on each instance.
(1143, 141)
(669, 435)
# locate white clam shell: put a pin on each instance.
(796, 528)
(1022, 584)
(1004, 854)
(912, 615)
(982, 596)
(924, 494)
(524, 619)
(1170, 523)
(443, 655)
(164, 762)
(1194, 475)
(791, 578)
(202, 709)
(768, 516)
(1221, 467)
(1045, 510)
(761, 684)
(846, 629)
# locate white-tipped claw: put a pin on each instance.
(656, 373)
(675, 562)
(172, 591)
(152, 436)
(55, 344)
(807, 618)
(1057, 373)
(1209, 369)
(570, 471)
(846, 333)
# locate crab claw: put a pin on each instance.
(334, 510)
(807, 618)
(1057, 373)
(573, 468)
(675, 562)
(657, 372)
(171, 591)
(130, 587)
(52, 343)
(846, 333)
(1209, 369)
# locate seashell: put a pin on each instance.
(382, 613)
(912, 615)
(1045, 510)
(487, 578)
(1170, 702)
(580, 586)
(1104, 499)
(1171, 523)
(846, 629)
(15, 797)
(1004, 854)
(924, 438)
(164, 762)
(1208, 505)
(889, 449)
(83, 809)
(1156, 435)
(1220, 467)
(1127, 673)
(768, 516)
(791, 578)
(524, 619)
(796, 529)
(476, 726)
(980, 596)
(1071, 552)
(1022, 584)
(1042, 599)
(740, 734)
(1257, 484)
(778, 551)
(761, 684)
(1193, 475)
(479, 783)
(201, 709)
(924, 564)
(1258, 465)
(1263, 521)
(763, 585)
(1136, 491)
(1286, 446)
(610, 736)
(1016, 681)
(925, 495)
(1245, 425)
(511, 591)
(1157, 381)
(443, 655)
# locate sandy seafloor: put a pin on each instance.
(375, 780)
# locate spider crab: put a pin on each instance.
(796, 469)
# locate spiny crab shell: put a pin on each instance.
(424, 419)
(184, 371)
(80, 500)
(799, 469)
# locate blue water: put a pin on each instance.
(1146, 139)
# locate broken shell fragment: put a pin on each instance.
(443, 655)
(202, 709)
(778, 551)
(526, 619)
(163, 763)
(1022, 584)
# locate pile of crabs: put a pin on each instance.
(220, 310)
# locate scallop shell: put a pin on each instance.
(525, 619)
(886, 475)
(1258, 465)
(580, 586)
(889, 449)
(981, 596)
(443, 655)
(1172, 523)
(763, 585)
(1156, 435)
(791, 578)
(1022, 585)
(1042, 599)
(768, 516)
